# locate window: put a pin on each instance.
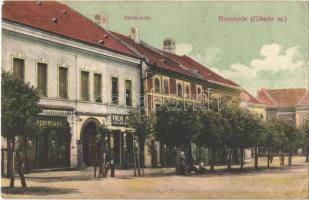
(42, 79)
(128, 93)
(115, 92)
(84, 85)
(187, 91)
(97, 88)
(157, 85)
(193, 91)
(173, 86)
(19, 68)
(199, 92)
(179, 89)
(63, 82)
(165, 86)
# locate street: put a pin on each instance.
(277, 182)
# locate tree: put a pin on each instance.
(211, 133)
(305, 134)
(20, 112)
(176, 124)
(142, 126)
(243, 129)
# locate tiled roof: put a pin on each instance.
(153, 57)
(305, 100)
(57, 18)
(172, 62)
(282, 98)
(205, 72)
(249, 98)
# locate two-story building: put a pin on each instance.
(167, 76)
(84, 76)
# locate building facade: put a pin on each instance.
(167, 76)
(84, 76)
(288, 104)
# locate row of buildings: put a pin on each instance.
(87, 75)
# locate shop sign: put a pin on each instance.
(51, 122)
(120, 120)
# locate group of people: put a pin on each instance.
(187, 166)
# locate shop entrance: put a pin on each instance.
(51, 148)
(89, 141)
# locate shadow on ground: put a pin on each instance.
(37, 191)
(58, 178)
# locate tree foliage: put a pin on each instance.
(19, 107)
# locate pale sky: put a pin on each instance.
(269, 54)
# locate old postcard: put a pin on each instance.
(154, 100)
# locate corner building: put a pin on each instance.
(84, 77)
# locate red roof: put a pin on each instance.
(305, 100)
(172, 62)
(154, 58)
(282, 98)
(205, 72)
(249, 98)
(57, 18)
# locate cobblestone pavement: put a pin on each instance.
(277, 182)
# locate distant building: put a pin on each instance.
(253, 104)
(287, 104)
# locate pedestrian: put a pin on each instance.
(20, 168)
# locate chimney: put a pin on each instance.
(101, 20)
(134, 34)
(169, 45)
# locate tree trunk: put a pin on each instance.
(229, 159)
(307, 154)
(283, 160)
(241, 158)
(256, 158)
(24, 151)
(8, 149)
(212, 159)
(268, 160)
(11, 155)
(290, 158)
(142, 149)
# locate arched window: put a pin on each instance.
(179, 89)
(166, 86)
(187, 91)
(157, 85)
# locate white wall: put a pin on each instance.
(32, 51)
